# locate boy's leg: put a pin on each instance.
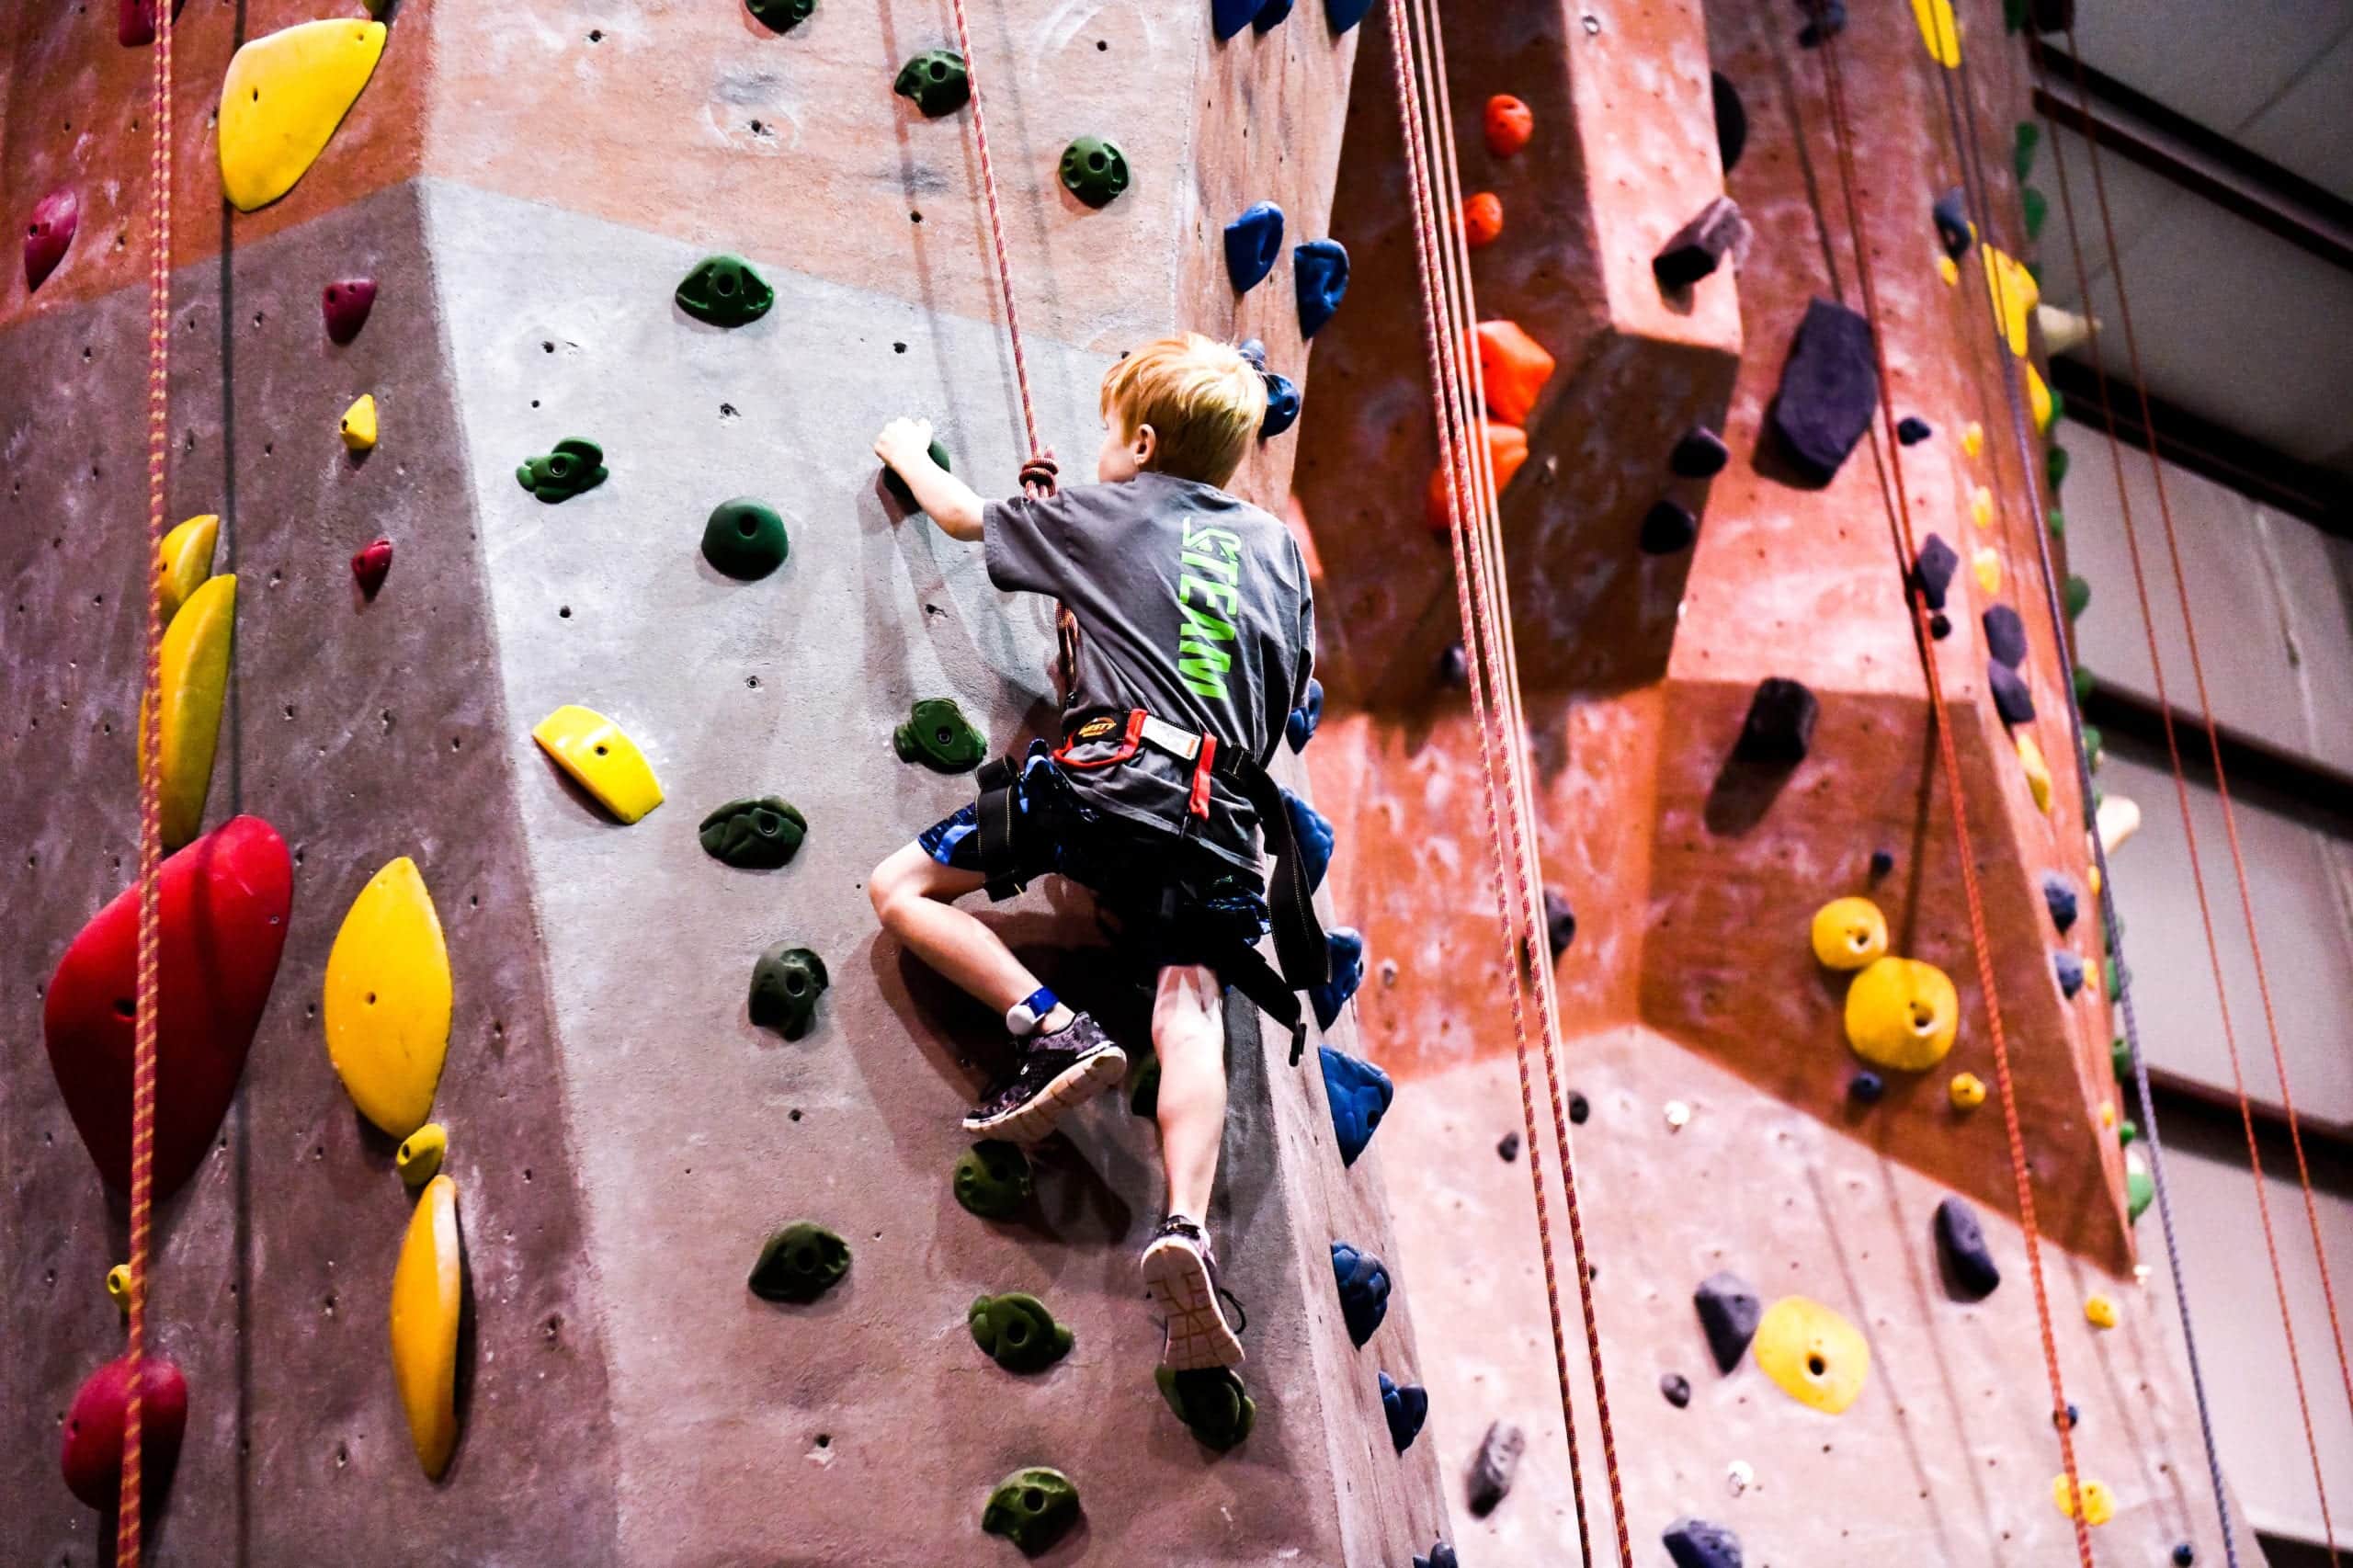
(911, 892)
(1188, 1030)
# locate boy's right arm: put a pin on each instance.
(905, 446)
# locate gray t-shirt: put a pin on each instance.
(1191, 604)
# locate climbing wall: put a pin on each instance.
(526, 186)
(1722, 1122)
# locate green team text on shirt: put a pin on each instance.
(1200, 662)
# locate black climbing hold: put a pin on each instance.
(1560, 923)
(1345, 14)
(1300, 728)
(2013, 700)
(898, 487)
(934, 82)
(1282, 404)
(1669, 526)
(1442, 1555)
(1579, 1108)
(1313, 831)
(755, 834)
(1954, 231)
(1696, 1543)
(1508, 1146)
(1676, 1388)
(1698, 246)
(1271, 15)
(1454, 666)
(1728, 1312)
(786, 985)
(1939, 626)
(1095, 171)
(1319, 270)
(2069, 970)
(1363, 1280)
(1254, 242)
(800, 1263)
(2184, 1554)
(992, 1178)
(1017, 1332)
(2004, 635)
(725, 290)
(1228, 18)
(2059, 897)
(1701, 454)
(1969, 1267)
(1493, 1465)
(1882, 862)
(1932, 573)
(1345, 946)
(1359, 1093)
(1866, 1086)
(1912, 430)
(938, 734)
(1212, 1402)
(1829, 391)
(1406, 1406)
(1780, 725)
(780, 16)
(1732, 119)
(1825, 19)
(573, 466)
(744, 538)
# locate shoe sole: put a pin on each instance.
(1034, 1119)
(1199, 1336)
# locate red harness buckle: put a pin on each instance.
(1199, 804)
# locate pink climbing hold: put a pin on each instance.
(345, 303)
(55, 217)
(370, 564)
(93, 1455)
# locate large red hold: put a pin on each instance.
(94, 1431)
(345, 303)
(223, 902)
(49, 231)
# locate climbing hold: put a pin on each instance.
(1968, 1265)
(185, 560)
(1675, 1388)
(934, 82)
(1359, 1094)
(573, 467)
(2063, 330)
(1254, 242)
(1017, 1332)
(1300, 728)
(1454, 666)
(1441, 1556)
(1667, 526)
(1939, 626)
(2099, 1507)
(1938, 30)
(1728, 1314)
(1865, 1087)
(1319, 269)
(2079, 593)
(1779, 726)
(1345, 946)
(1510, 125)
(2115, 819)
(1483, 219)
(2140, 1187)
(370, 564)
(1954, 231)
(94, 1426)
(2037, 770)
(1313, 829)
(359, 426)
(992, 1178)
(1363, 1280)
(2004, 635)
(2024, 140)
(1493, 1465)
(1095, 171)
(1825, 19)
(2042, 403)
(1732, 120)
(1815, 1356)
(1912, 430)
(1506, 454)
(1212, 1402)
(1559, 924)
(387, 1000)
(753, 834)
(2013, 699)
(345, 303)
(898, 487)
(1406, 1406)
(1829, 391)
(1342, 15)
(1882, 862)
(1282, 405)
(1696, 1543)
(1700, 246)
(2037, 210)
(2059, 897)
(1677, 1115)
(1932, 573)
(49, 233)
(119, 1285)
(282, 99)
(1579, 1108)
(2184, 1554)
(2015, 294)
(2100, 1311)
(1902, 1014)
(2069, 968)
(744, 538)
(420, 1154)
(428, 1291)
(1987, 564)
(1967, 1091)
(786, 983)
(1228, 18)
(1701, 454)
(725, 290)
(1947, 271)
(800, 1263)
(938, 734)
(196, 681)
(1507, 1147)
(1848, 933)
(1033, 1509)
(601, 759)
(1271, 15)
(780, 16)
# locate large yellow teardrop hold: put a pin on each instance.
(429, 1289)
(283, 97)
(388, 998)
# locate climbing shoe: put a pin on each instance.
(1053, 1073)
(1180, 1271)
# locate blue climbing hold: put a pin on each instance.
(2059, 897)
(1347, 948)
(1229, 17)
(1359, 1094)
(1271, 15)
(1407, 1407)
(1282, 405)
(1254, 242)
(2013, 699)
(1865, 1087)
(1346, 14)
(2070, 970)
(2004, 635)
(1320, 268)
(1696, 1543)
(1364, 1291)
(1314, 832)
(1912, 430)
(1301, 727)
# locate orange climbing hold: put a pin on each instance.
(1507, 450)
(1483, 219)
(1514, 368)
(1511, 125)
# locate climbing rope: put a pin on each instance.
(1449, 308)
(1900, 527)
(146, 1005)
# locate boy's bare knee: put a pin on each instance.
(1189, 1011)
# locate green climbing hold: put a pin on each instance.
(2120, 1059)
(786, 985)
(780, 16)
(898, 487)
(2140, 1191)
(1019, 1332)
(2038, 210)
(2128, 1132)
(1032, 1509)
(992, 1179)
(572, 466)
(744, 538)
(2055, 518)
(2079, 597)
(755, 835)
(936, 82)
(938, 736)
(2058, 410)
(800, 1263)
(1095, 171)
(2083, 684)
(1144, 1088)
(2094, 745)
(1211, 1401)
(2054, 466)
(2014, 14)
(723, 290)
(2112, 978)
(2028, 137)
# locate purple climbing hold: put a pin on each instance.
(1254, 242)
(1343, 15)
(1579, 1108)
(1363, 1280)
(345, 303)
(1507, 1147)
(2004, 635)
(1954, 231)
(2013, 699)
(1668, 528)
(1675, 1388)
(1347, 947)
(1729, 1313)
(2069, 970)
(1779, 726)
(1494, 1467)
(1699, 246)
(1696, 1543)
(1305, 719)
(1271, 15)
(2059, 897)
(1701, 454)
(1939, 626)
(1560, 923)
(1829, 391)
(1359, 1094)
(1912, 430)
(1882, 862)
(1319, 270)
(1406, 1406)
(1970, 1270)
(1932, 573)
(1442, 1555)
(1732, 119)
(49, 232)
(1865, 1087)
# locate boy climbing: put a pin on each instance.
(1188, 639)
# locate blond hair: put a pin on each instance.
(1202, 399)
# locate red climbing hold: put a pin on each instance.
(55, 217)
(1483, 219)
(346, 302)
(1507, 450)
(1510, 125)
(134, 25)
(1513, 367)
(93, 1456)
(223, 904)
(370, 564)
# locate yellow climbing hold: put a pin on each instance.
(387, 1004)
(2038, 771)
(426, 1285)
(119, 1285)
(1947, 270)
(185, 560)
(1938, 30)
(2107, 1115)
(2092, 879)
(2038, 397)
(1902, 1014)
(601, 759)
(359, 423)
(1981, 506)
(1987, 564)
(2100, 1311)
(1848, 933)
(283, 97)
(1968, 1091)
(421, 1153)
(1817, 1357)
(196, 679)
(2014, 292)
(2099, 1505)
(1973, 440)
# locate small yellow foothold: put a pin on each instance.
(186, 560)
(2038, 771)
(1981, 507)
(2107, 1115)
(281, 100)
(2099, 1311)
(1987, 564)
(420, 1154)
(359, 423)
(1848, 933)
(2099, 1507)
(1902, 1014)
(1815, 1356)
(2038, 397)
(1948, 269)
(2015, 294)
(1968, 1091)
(601, 760)
(196, 682)
(1938, 30)
(1973, 440)
(428, 1289)
(119, 1285)
(2093, 880)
